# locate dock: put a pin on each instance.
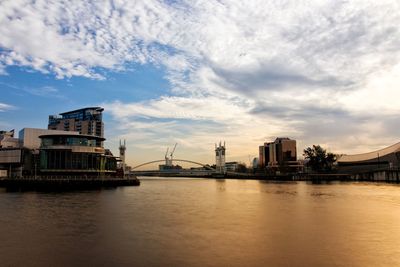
(51, 183)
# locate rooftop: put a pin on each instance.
(72, 134)
(100, 109)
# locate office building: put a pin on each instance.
(281, 152)
(261, 156)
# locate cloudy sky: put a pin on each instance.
(196, 72)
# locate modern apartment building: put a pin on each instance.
(87, 121)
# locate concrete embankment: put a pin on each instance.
(64, 184)
(392, 176)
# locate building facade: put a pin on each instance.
(278, 154)
(220, 158)
(12, 155)
(71, 146)
(29, 137)
(87, 121)
(386, 158)
(75, 154)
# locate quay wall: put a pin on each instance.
(378, 176)
(54, 183)
(392, 176)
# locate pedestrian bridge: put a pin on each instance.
(207, 167)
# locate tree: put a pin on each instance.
(319, 159)
(241, 167)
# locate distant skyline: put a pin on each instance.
(196, 73)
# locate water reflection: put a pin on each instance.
(199, 222)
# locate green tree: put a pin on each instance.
(319, 159)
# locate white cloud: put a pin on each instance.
(45, 91)
(252, 69)
(6, 107)
(380, 93)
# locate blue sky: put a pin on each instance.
(199, 72)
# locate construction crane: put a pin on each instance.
(173, 150)
(166, 153)
(168, 159)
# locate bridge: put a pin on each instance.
(207, 167)
(207, 172)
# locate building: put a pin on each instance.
(261, 156)
(278, 154)
(18, 156)
(386, 158)
(70, 154)
(235, 166)
(285, 150)
(72, 146)
(7, 140)
(255, 163)
(11, 154)
(87, 121)
(29, 137)
(220, 158)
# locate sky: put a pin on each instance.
(199, 72)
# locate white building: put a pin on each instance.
(29, 137)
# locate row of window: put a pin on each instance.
(68, 141)
(66, 160)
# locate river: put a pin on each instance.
(204, 222)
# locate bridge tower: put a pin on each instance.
(122, 149)
(220, 158)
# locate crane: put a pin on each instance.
(166, 153)
(173, 150)
(168, 159)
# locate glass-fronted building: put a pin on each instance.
(75, 154)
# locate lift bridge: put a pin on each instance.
(169, 168)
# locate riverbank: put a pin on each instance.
(64, 183)
(390, 176)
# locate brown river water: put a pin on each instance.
(204, 222)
